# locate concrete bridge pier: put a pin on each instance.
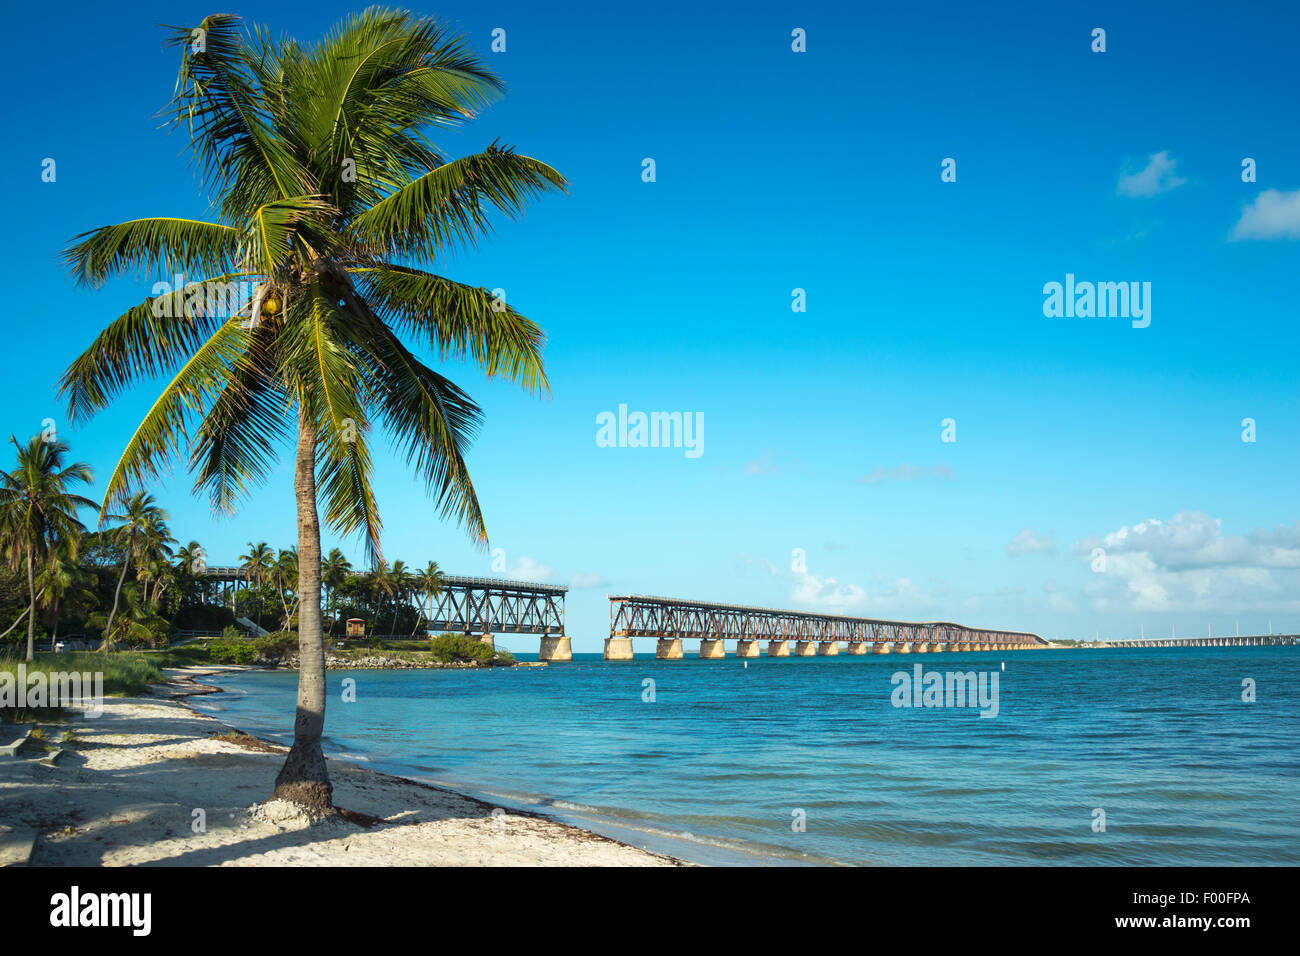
(936, 648)
(920, 647)
(805, 648)
(558, 648)
(669, 649)
(778, 648)
(618, 648)
(855, 648)
(747, 649)
(828, 648)
(489, 640)
(712, 647)
(880, 647)
(902, 647)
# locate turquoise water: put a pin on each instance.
(718, 766)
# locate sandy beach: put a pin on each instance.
(126, 793)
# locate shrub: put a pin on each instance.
(504, 658)
(231, 652)
(231, 633)
(448, 648)
(275, 646)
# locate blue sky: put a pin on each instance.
(819, 170)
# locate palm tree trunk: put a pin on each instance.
(304, 778)
(31, 615)
(54, 630)
(108, 629)
(18, 620)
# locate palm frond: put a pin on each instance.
(344, 474)
(229, 123)
(298, 223)
(448, 207)
(151, 338)
(458, 320)
(156, 246)
(430, 416)
(236, 444)
(166, 425)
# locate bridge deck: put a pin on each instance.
(640, 615)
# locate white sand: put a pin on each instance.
(125, 794)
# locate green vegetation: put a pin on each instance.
(126, 674)
(448, 648)
(277, 646)
(38, 517)
(194, 654)
(231, 652)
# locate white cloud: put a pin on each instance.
(1028, 541)
(530, 569)
(904, 472)
(745, 561)
(825, 592)
(1157, 176)
(1273, 215)
(585, 579)
(889, 597)
(1187, 564)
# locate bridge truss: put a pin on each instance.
(639, 615)
(495, 606)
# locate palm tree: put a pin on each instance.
(139, 623)
(334, 572)
(326, 188)
(143, 527)
(64, 583)
(257, 565)
(37, 509)
(284, 575)
(381, 588)
(154, 567)
(191, 561)
(428, 584)
(398, 581)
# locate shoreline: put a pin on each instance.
(153, 781)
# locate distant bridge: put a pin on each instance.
(495, 606)
(669, 621)
(1257, 640)
(482, 606)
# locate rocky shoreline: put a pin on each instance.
(334, 662)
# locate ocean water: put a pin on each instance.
(808, 760)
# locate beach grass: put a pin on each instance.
(126, 674)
